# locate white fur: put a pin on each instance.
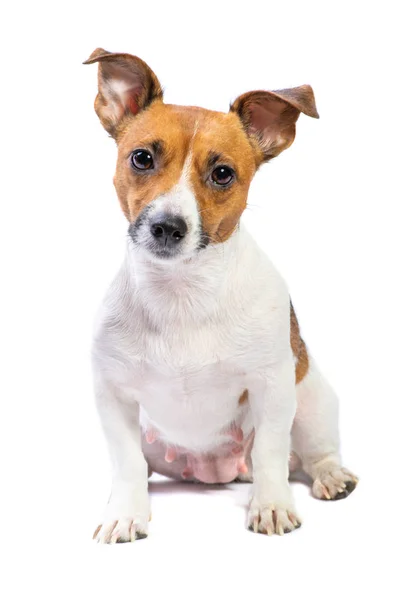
(176, 344)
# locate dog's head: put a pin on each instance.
(183, 172)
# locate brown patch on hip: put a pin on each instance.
(299, 348)
(244, 397)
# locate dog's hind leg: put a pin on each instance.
(315, 437)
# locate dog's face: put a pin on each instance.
(183, 173)
(182, 178)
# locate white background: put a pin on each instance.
(326, 211)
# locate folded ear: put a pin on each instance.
(126, 86)
(270, 117)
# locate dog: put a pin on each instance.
(200, 371)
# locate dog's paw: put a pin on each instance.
(333, 482)
(272, 518)
(120, 531)
(126, 519)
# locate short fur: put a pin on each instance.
(197, 349)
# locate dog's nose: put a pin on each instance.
(168, 231)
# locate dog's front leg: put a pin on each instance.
(273, 405)
(127, 513)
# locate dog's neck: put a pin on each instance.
(186, 292)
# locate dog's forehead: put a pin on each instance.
(187, 127)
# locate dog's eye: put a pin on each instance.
(222, 175)
(142, 160)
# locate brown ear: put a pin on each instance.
(126, 86)
(270, 117)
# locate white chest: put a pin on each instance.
(187, 347)
(191, 407)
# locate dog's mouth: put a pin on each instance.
(162, 253)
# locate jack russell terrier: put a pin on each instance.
(200, 370)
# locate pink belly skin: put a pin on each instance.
(215, 469)
(222, 466)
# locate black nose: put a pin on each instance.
(168, 231)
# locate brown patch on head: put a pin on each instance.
(244, 397)
(220, 142)
(299, 348)
(166, 137)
